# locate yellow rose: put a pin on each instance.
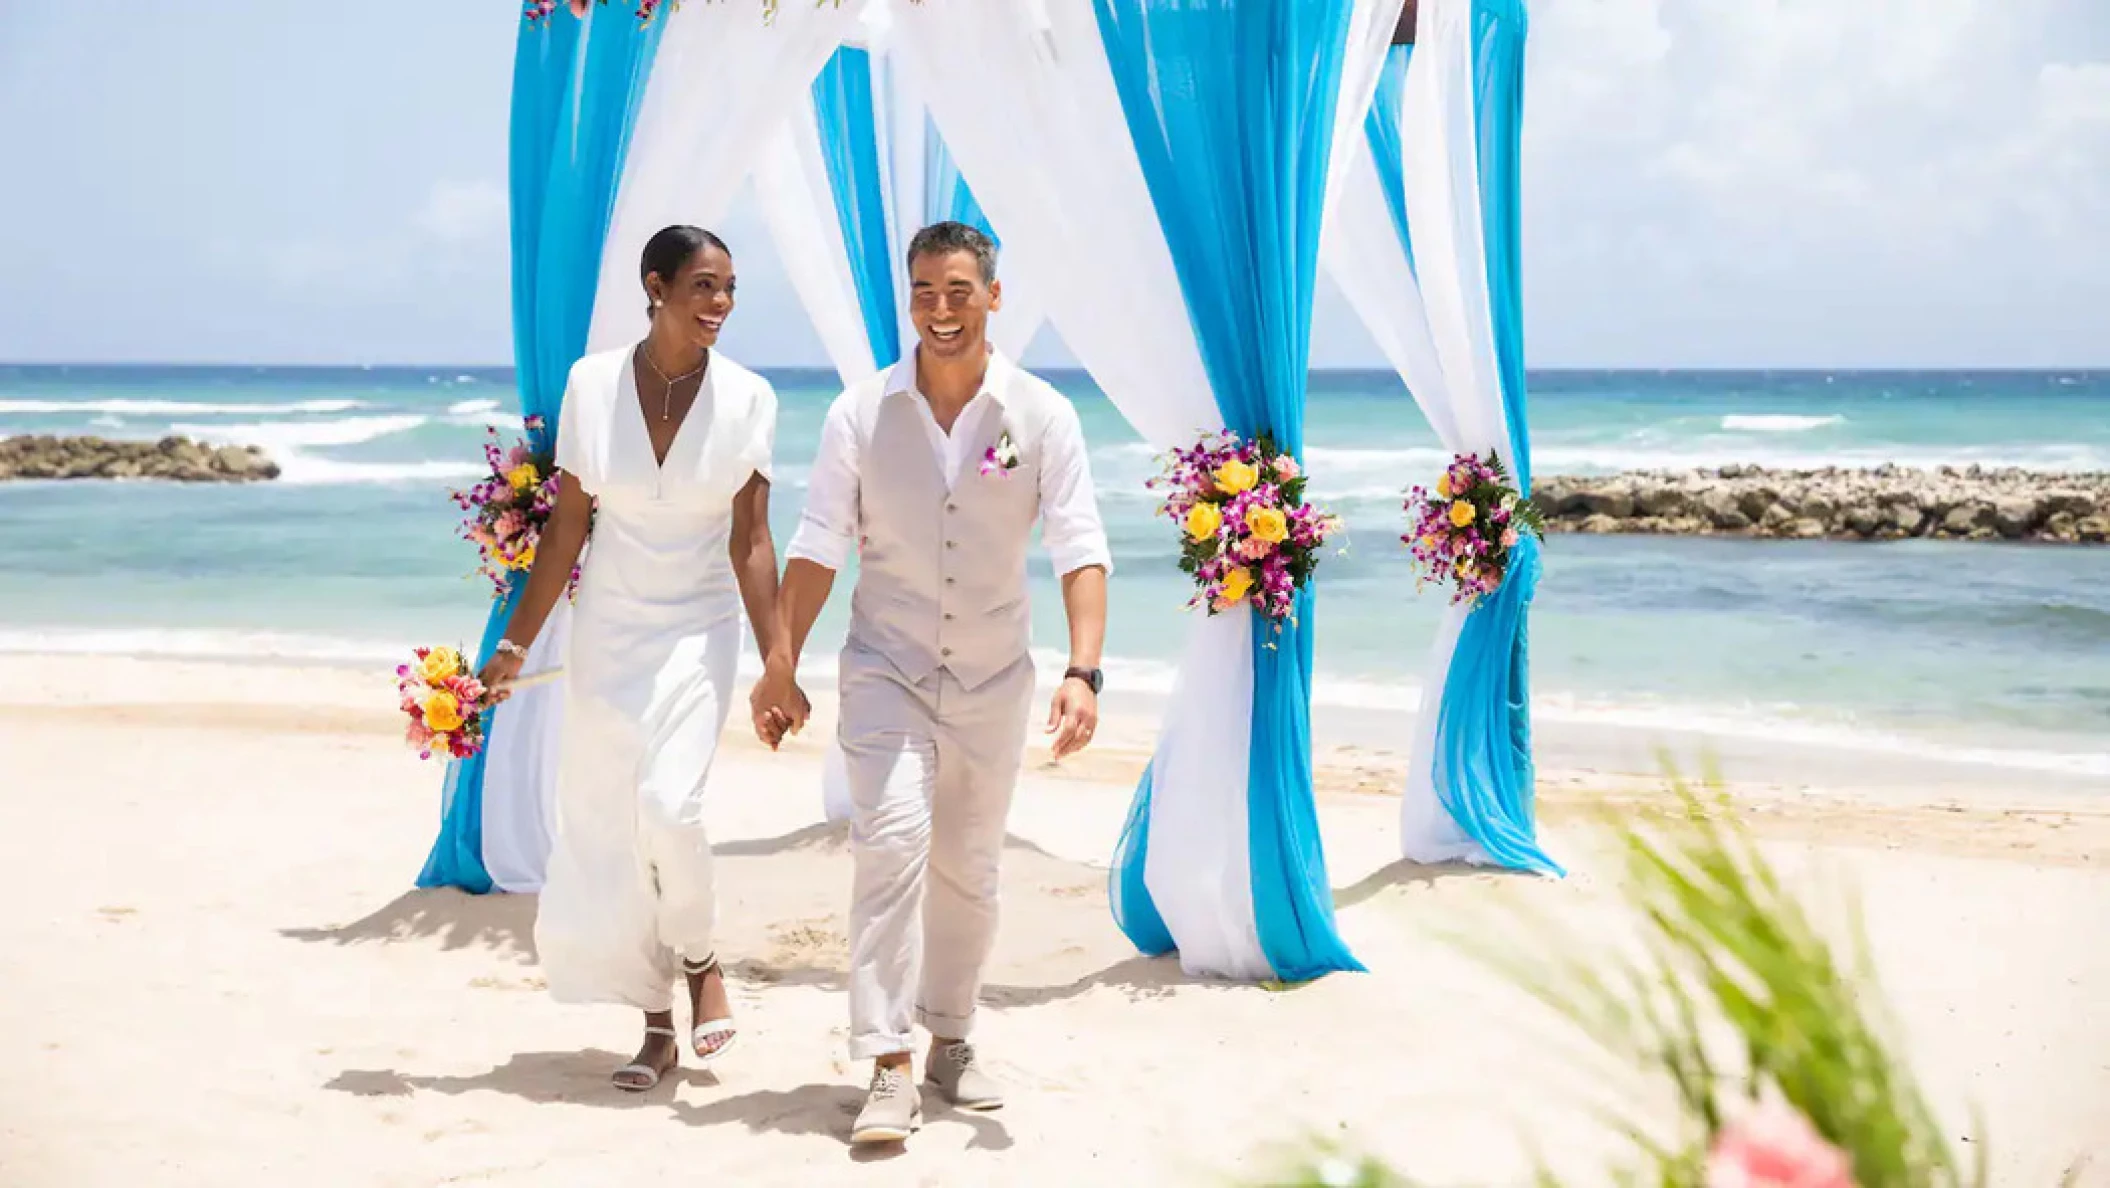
(439, 664)
(1443, 486)
(523, 476)
(1267, 523)
(525, 559)
(1462, 514)
(443, 711)
(1236, 585)
(1203, 520)
(1235, 476)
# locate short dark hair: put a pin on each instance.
(943, 239)
(671, 248)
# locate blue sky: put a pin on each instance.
(1738, 183)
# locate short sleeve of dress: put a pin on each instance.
(574, 452)
(762, 442)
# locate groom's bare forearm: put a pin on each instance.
(800, 597)
(1084, 600)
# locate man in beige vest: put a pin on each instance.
(935, 471)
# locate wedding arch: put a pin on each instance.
(1205, 156)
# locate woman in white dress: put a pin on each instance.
(663, 449)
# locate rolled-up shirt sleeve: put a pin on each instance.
(827, 531)
(1070, 526)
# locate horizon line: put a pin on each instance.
(1794, 369)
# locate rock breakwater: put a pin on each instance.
(175, 459)
(1879, 503)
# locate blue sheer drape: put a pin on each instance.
(1483, 737)
(1381, 128)
(1231, 107)
(945, 193)
(848, 119)
(576, 89)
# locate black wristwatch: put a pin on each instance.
(1092, 678)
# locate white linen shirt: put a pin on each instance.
(1070, 527)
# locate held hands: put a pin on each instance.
(778, 705)
(1073, 715)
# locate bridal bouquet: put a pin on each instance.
(1247, 536)
(444, 702)
(1463, 531)
(507, 511)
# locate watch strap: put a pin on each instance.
(1092, 677)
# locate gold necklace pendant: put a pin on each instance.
(666, 399)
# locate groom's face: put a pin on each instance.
(949, 303)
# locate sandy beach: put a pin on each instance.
(217, 972)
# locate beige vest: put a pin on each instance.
(942, 576)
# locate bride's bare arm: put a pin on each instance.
(556, 555)
(754, 556)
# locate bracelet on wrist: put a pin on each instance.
(508, 648)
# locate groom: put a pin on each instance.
(935, 472)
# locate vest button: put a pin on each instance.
(950, 545)
(948, 616)
(945, 651)
(949, 582)
(952, 507)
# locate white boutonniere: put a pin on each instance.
(1002, 458)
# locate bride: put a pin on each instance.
(663, 449)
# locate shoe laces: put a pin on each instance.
(888, 1080)
(960, 1056)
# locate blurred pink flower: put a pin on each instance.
(1774, 1146)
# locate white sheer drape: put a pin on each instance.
(792, 188)
(1433, 321)
(520, 769)
(1369, 40)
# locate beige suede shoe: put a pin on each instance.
(963, 1081)
(893, 1110)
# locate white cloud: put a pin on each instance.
(1817, 181)
(457, 229)
(457, 212)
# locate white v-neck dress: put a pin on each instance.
(648, 681)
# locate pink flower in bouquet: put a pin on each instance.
(1774, 1146)
(1509, 539)
(1252, 548)
(1286, 467)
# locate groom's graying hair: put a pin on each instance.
(943, 239)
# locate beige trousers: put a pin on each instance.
(932, 767)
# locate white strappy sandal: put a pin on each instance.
(721, 1030)
(646, 1076)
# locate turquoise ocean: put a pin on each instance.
(1988, 650)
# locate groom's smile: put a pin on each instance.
(950, 300)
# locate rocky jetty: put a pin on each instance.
(1882, 503)
(175, 459)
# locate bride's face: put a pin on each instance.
(696, 301)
